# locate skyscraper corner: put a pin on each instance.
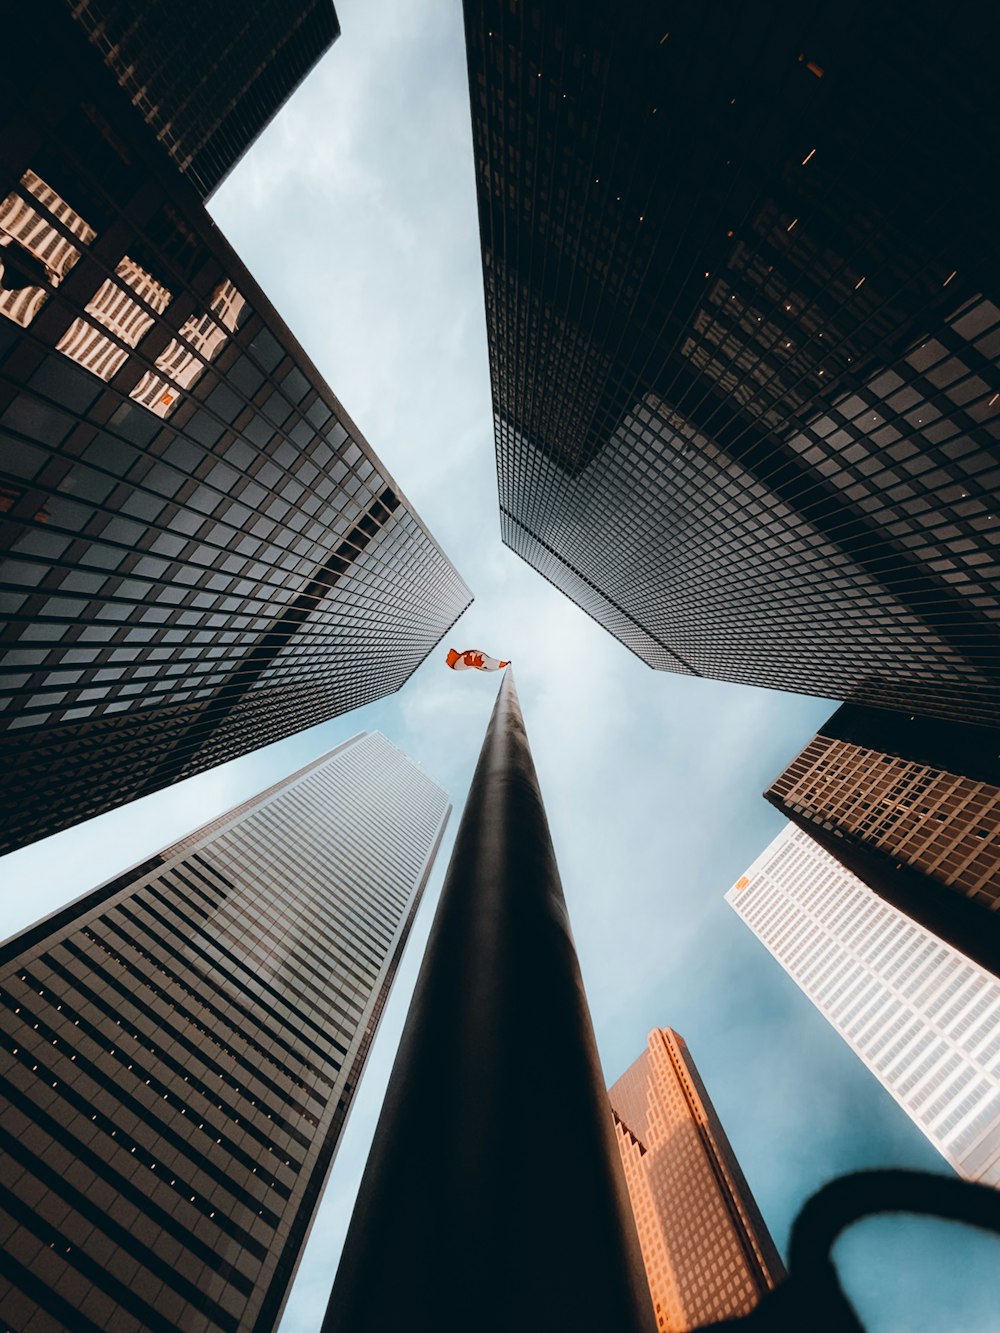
(202, 553)
(181, 1048)
(206, 79)
(922, 1016)
(911, 805)
(707, 1250)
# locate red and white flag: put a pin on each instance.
(473, 660)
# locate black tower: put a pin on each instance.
(207, 78)
(203, 554)
(743, 308)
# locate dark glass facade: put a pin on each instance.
(743, 309)
(207, 78)
(180, 1049)
(911, 805)
(202, 553)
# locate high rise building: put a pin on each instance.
(746, 372)
(182, 1045)
(207, 78)
(912, 806)
(707, 1251)
(923, 1017)
(202, 552)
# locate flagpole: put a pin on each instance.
(493, 1200)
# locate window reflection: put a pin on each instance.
(33, 251)
(184, 359)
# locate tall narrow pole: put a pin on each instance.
(493, 1200)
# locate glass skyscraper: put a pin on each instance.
(207, 78)
(707, 1250)
(202, 553)
(181, 1047)
(912, 806)
(746, 376)
(923, 1017)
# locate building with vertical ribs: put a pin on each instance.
(180, 1050)
(201, 552)
(207, 78)
(923, 1017)
(912, 806)
(746, 377)
(707, 1250)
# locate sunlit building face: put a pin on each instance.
(912, 806)
(706, 1248)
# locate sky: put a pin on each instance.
(356, 212)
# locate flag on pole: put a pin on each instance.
(473, 659)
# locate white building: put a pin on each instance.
(179, 1050)
(922, 1016)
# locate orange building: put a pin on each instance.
(707, 1252)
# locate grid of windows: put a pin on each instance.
(180, 1049)
(921, 1015)
(940, 823)
(202, 552)
(707, 1251)
(207, 78)
(746, 383)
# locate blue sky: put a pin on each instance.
(356, 213)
